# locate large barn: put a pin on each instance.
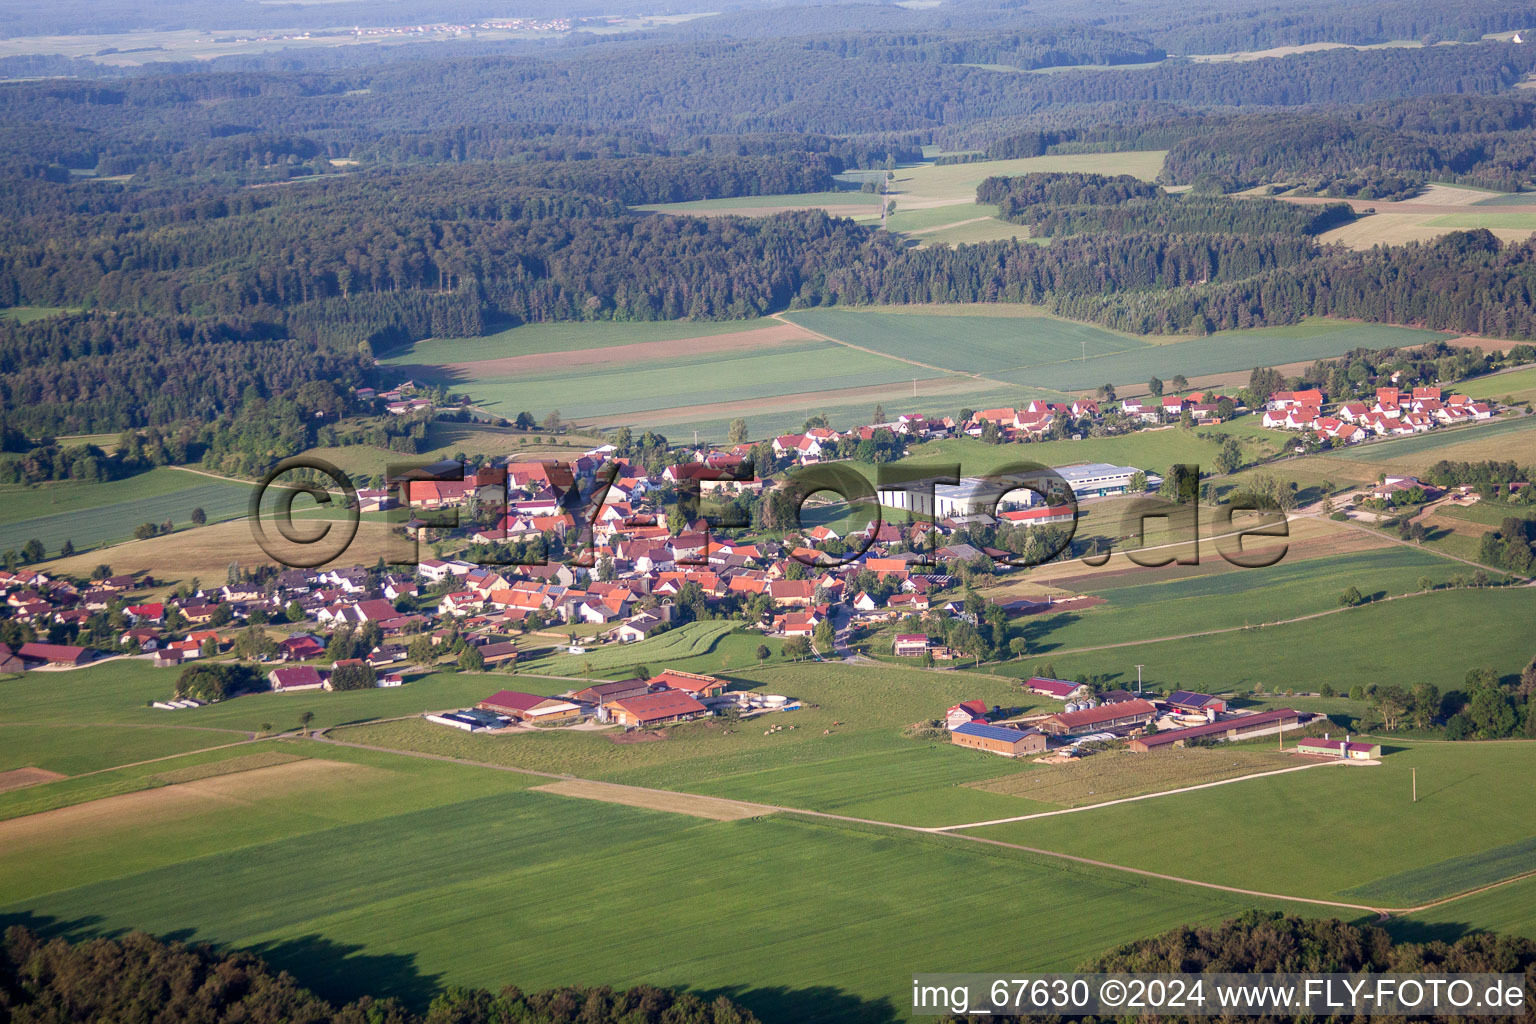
(1105, 716)
(655, 708)
(1241, 727)
(997, 739)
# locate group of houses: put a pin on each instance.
(1395, 411)
(1204, 408)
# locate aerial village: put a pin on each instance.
(647, 575)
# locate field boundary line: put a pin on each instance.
(1142, 796)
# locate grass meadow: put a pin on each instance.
(611, 389)
(1223, 352)
(1331, 832)
(74, 750)
(1225, 596)
(396, 876)
(1519, 385)
(92, 514)
(844, 751)
(968, 344)
(1033, 348)
(1435, 638)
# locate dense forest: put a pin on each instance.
(283, 222)
(140, 978)
(500, 106)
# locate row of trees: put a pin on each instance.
(138, 977)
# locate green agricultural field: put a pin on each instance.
(1470, 627)
(944, 396)
(844, 751)
(120, 691)
(1472, 220)
(922, 220)
(614, 660)
(681, 383)
(1034, 348)
(935, 184)
(27, 314)
(408, 884)
(1223, 352)
(99, 513)
(533, 339)
(1349, 832)
(1519, 385)
(851, 199)
(927, 186)
(968, 344)
(968, 232)
(1419, 445)
(1225, 597)
(1508, 910)
(1488, 513)
(1116, 774)
(75, 750)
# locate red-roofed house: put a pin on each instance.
(965, 711)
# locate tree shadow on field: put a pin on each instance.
(343, 973)
(49, 927)
(819, 1004)
(1407, 929)
(332, 970)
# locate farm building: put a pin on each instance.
(296, 677)
(1191, 703)
(910, 645)
(1105, 716)
(688, 682)
(997, 739)
(1061, 689)
(1242, 727)
(10, 661)
(529, 707)
(501, 653)
(654, 708)
(602, 693)
(56, 654)
(965, 711)
(1340, 748)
